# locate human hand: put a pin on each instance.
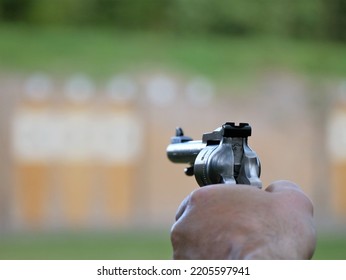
(243, 222)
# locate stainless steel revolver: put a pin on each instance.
(222, 156)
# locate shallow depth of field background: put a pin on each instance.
(91, 92)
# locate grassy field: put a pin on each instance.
(121, 246)
(101, 52)
(331, 247)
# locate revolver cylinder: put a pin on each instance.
(222, 156)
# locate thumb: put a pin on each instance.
(282, 186)
(289, 192)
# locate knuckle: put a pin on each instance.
(198, 196)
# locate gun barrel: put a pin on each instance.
(185, 152)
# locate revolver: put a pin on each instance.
(222, 156)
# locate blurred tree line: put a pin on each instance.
(314, 19)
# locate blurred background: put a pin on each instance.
(91, 92)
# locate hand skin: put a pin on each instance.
(243, 222)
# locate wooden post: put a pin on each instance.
(337, 148)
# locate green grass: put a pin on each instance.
(331, 247)
(120, 246)
(87, 246)
(101, 53)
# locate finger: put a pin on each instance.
(197, 196)
(182, 208)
